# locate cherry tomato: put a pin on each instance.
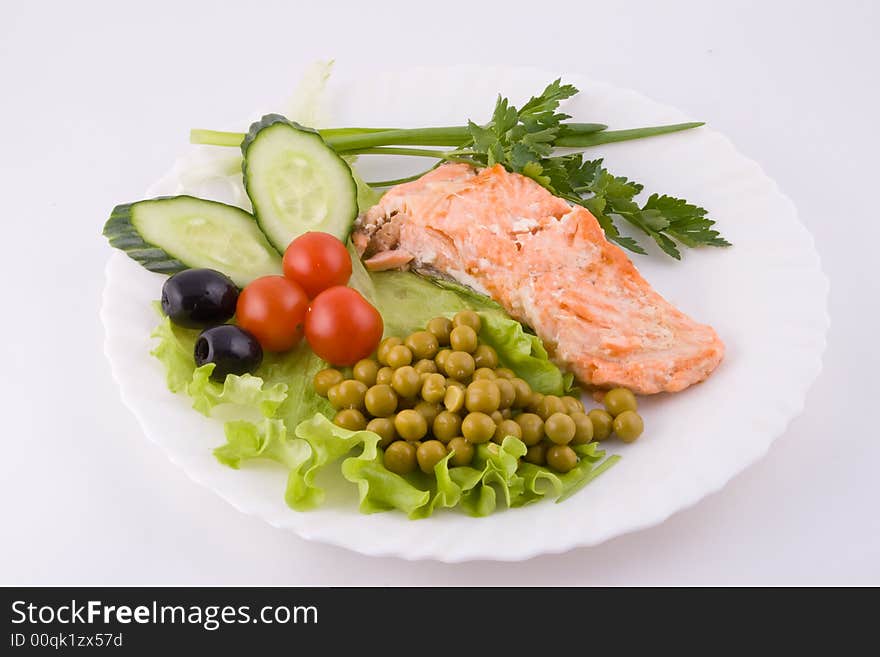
(317, 261)
(273, 308)
(342, 327)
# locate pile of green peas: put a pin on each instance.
(441, 391)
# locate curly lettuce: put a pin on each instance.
(495, 477)
(281, 387)
(540, 482)
(524, 353)
(175, 351)
(274, 414)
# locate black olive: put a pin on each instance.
(198, 298)
(232, 349)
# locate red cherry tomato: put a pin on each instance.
(317, 261)
(342, 327)
(273, 308)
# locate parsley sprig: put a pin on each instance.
(523, 140)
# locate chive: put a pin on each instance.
(566, 140)
(355, 139)
(400, 181)
(215, 137)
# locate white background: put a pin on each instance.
(96, 101)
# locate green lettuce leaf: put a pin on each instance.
(540, 482)
(296, 369)
(408, 301)
(584, 472)
(367, 196)
(379, 489)
(498, 466)
(524, 353)
(446, 487)
(267, 440)
(244, 393)
(281, 386)
(175, 351)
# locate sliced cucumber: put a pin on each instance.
(173, 233)
(296, 182)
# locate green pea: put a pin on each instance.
(383, 376)
(536, 454)
(484, 373)
(446, 426)
(497, 418)
(428, 411)
(535, 402)
(505, 373)
(434, 388)
(532, 428)
(463, 451)
(561, 458)
(478, 428)
(385, 346)
(628, 426)
(348, 394)
(559, 428)
(381, 400)
(440, 359)
(459, 365)
(572, 405)
(410, 425)
(602, 422)
(507, 393)
(507, 428)
(468, 318)
(406, 381)
(365, 371)
(351, 419)
(400, 457)
(440, 328)
(399, 356)
(523, 392)
(486, 356)
(618, 400)
(422, 344)
(583, 432)
(326, 379)
(384, 426)
(406, 403)
(549, 405)
(429, 454)
(453, 400)
(463, 338)
(482, 396)
(425, 366)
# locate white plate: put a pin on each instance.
(766, 297)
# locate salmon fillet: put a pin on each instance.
(549, 265)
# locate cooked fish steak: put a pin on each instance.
(549, 265)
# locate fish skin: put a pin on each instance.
(550, 266)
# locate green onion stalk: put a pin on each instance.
(403, 141)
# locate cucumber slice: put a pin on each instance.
(173, 233)
(296, 182)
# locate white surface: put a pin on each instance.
(96, 102)
(766, 297)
